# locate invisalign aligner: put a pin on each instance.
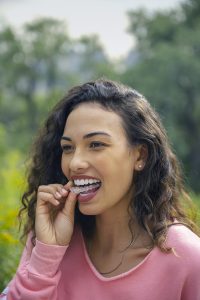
(78, 190)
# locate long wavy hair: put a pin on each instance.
(159, 193)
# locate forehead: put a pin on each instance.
(92, 116)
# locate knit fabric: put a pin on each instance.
(67, 273)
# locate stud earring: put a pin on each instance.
(139, 166)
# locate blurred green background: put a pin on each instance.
(39, 62)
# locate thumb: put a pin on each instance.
(69, 206)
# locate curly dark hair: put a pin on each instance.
(159, 192)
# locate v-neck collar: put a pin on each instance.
(122, 275)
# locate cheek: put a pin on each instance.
(64, 166)
(123, 173)
(119, 165)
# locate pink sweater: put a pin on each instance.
(66, 273)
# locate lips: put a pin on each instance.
(86, 197)
(87, 191)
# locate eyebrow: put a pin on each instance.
(88, 135)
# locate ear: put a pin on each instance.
(142, 155)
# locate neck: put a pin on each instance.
(113, 232)
(112, 242)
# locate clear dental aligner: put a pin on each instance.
(85, 181)
(80, 189)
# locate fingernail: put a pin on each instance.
(64, 191)
(58, 195)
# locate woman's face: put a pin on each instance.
(95, 147)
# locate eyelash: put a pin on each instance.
(68, 148)
(100, 144)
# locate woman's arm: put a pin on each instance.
(38, 274)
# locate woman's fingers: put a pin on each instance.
(52, 193)
(47, 197)
(70, 203)
(56, 194)
(69, 207)
(51, 188)
(55, 213)
(68, 185)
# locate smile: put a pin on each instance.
(84, 189)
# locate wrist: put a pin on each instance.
(45, 259)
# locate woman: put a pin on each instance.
(105, 205)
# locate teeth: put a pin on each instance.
(81, 182)
(78, 190)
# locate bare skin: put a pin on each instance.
(58, 232)
(108, 248)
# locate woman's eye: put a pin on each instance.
(66, 148)
(97, 145)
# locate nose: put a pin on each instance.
(78, 162)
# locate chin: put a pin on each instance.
(88, 211)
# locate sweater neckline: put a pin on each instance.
(122, 275)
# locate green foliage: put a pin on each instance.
(41, 62)
(12, 182)
(167, 72)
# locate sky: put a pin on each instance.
(106, 18)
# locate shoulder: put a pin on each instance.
(186, 261)
(185, 242)
(180, 235)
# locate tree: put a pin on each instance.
(167, 72)
(29, 67)
(41, 63)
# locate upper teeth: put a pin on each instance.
(85, 181)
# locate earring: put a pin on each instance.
(139, 166)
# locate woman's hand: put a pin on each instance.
(54, 223)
